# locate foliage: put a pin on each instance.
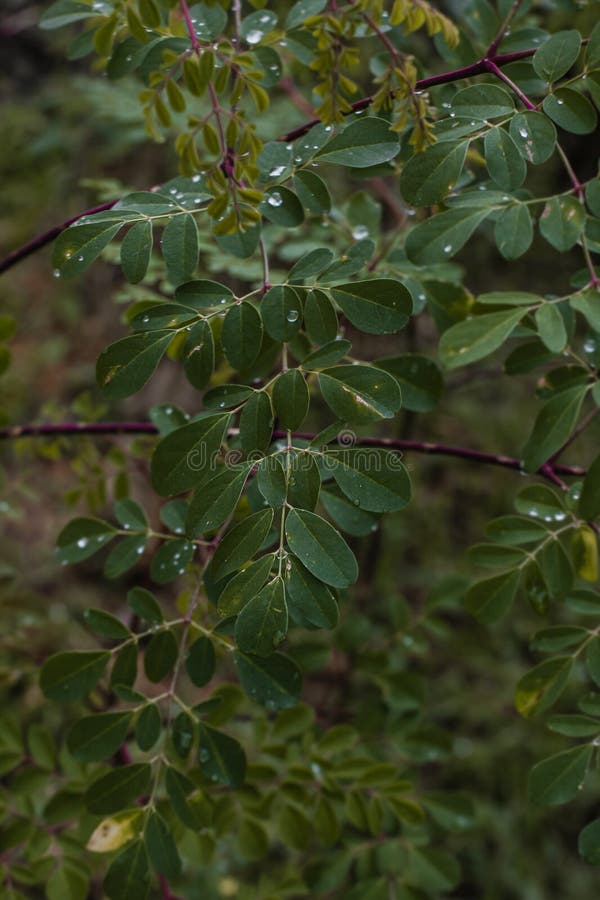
(251, 271)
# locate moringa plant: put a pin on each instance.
(257, 270)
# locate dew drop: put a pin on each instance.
(292, 315)
(359, 232)
(448, 248)
(275, 199)
(255, 36)
(82, 542)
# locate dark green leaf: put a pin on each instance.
(274, 681)
(96, 737)
(162, 850)
(378, 306)
(145, 605)
(571, 111)
(471, 340)
(535, 136)
(118, 789)
(128, 875)
(420, 379)
(256, 422)
(430, 176)
(180, 248)
(241, 543)
(557, 779)
(557, 55)
(221, 757)
(291, 399)
(200, 661)
(282, 312)
(182, 458)
(125, 367)
(553, 425)
(160, 656)
(363, 143)
(308, 598)
(136, 250)
(491, 599)
(71, 676)
(77, 247)
(262, 623)
(320, 548)
(245, 585)
(541, 687)
(358, 394)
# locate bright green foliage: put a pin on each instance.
(194, 737)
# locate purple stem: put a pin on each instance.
(71, 429)
(493, 68)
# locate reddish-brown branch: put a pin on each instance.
(477, 68)
(72, 429)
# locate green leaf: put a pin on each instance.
(65, 12)
(571, 111)
(503, 159)
(363, 143)
(542, 502)
(81, 538)
(358, 393)
(557, 55)
(346, 515)
(171, 560)
(553, 425)
(327, 355)
(180, 248)
(178, 788)
(516, 530)
(161, 655)
(535, 136)
(184, 456)
(256, 422)
(96, 737)
(482, 101)
(587, 304)
(574, 725)
(271, 481)
(439, 238)
(420, 379)
(311, 264)
(562, 221)
(309, 600)
(374, 479)
(136, 250)
(124, 556)
(147, 727)
(282, 207)
(227, 396)
(241, 336)
(240, 544)
(513, 231)
(473, 339)
(200, 661)
(128, 874)
(304, 480)
(124, 367)
(377, 306)
(105, 624)
(182, 734)
(589, 843)
(199, 355)
(71, 676)
(320, 319)
(145, 605)
(118, 789)
(216, 498)
(77, 247)
(274, 681)
(320, 548)
(262, 623)
(291, 399)
(312, 193)
(491, 599)
(433, 870)
(551, 327)
(302, 10)
(245, 585)
(589, 502)
(282, 312)
(557, 780)
(204, 294)
(161, 847)
(221, 757)
(428, 177)
(541, 687)
(592, 196)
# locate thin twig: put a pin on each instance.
(491, 50)
(190, 25)
(495, 70)
(72, 429)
